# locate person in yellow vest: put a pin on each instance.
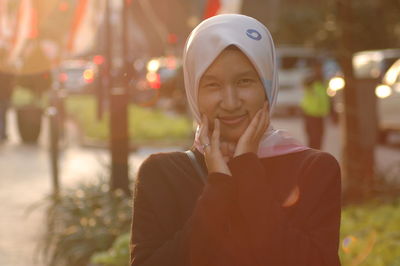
(315, 105)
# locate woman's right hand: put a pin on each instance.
(214, 158)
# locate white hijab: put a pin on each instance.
(204, 45)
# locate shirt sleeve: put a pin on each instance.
(197, 242)
(312, 236)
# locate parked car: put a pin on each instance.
(374, 63)
(76, 76)
(161, 83)
(388, 93)
(381, 65)
(366, 65)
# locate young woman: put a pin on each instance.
(264, 199)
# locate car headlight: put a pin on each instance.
(382, 91)
(336, 83)
(153, 65)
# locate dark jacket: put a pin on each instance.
(238, 220)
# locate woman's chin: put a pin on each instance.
(232, 137)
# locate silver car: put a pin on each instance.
(388, 94)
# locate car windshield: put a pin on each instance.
(372, 65)
(393, 74)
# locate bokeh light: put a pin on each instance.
(336, 83)
(383, 91)
(153, 65)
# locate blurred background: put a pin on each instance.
(90, 88)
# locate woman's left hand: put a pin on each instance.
(250, 140)
(214, 158)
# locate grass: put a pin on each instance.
(145, 124)
(370, 234)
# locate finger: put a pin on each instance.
(263, 122)
(252, 127)
(267, 117)
(215, 136)
(204, 138)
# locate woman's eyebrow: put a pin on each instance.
(208, 78)
(247, 73)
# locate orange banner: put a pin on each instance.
(79, 15)
(212, 8)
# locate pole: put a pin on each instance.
(118, 111)
(53, 116)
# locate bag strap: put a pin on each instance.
(200, 171)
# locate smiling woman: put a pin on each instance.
(231, 91)
(247, 194)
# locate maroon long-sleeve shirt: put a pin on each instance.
(283, 210)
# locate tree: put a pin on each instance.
(355, 31)
(344, 27)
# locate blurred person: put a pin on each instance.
(245, 193)
(315, 105)
(6, 88)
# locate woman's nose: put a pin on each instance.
(230, 99)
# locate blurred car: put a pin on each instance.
(366, 65)
(161, 83)
(294, 66)
(381, 65)
(162, 69)
(374, 64)
(388, 93)
(76, 76)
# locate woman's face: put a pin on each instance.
(231, 91)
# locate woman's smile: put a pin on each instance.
(233, 120)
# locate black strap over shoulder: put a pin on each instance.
(200, 171)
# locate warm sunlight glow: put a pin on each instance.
(383, 91)
(88, 75)
(330, 92)
(153, 65)
(336, 83)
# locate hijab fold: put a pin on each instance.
(204, 45)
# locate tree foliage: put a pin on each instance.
(375, 24)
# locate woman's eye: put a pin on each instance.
(242, 82)
(212, 85)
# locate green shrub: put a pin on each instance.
(144, 123)
(83, 221)
(118, 255)
(370, 234)
(24, 97)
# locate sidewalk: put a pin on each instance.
(26, 180)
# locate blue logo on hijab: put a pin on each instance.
(253, 34)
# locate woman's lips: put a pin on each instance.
(232, 120)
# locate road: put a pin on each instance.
(385, 155)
